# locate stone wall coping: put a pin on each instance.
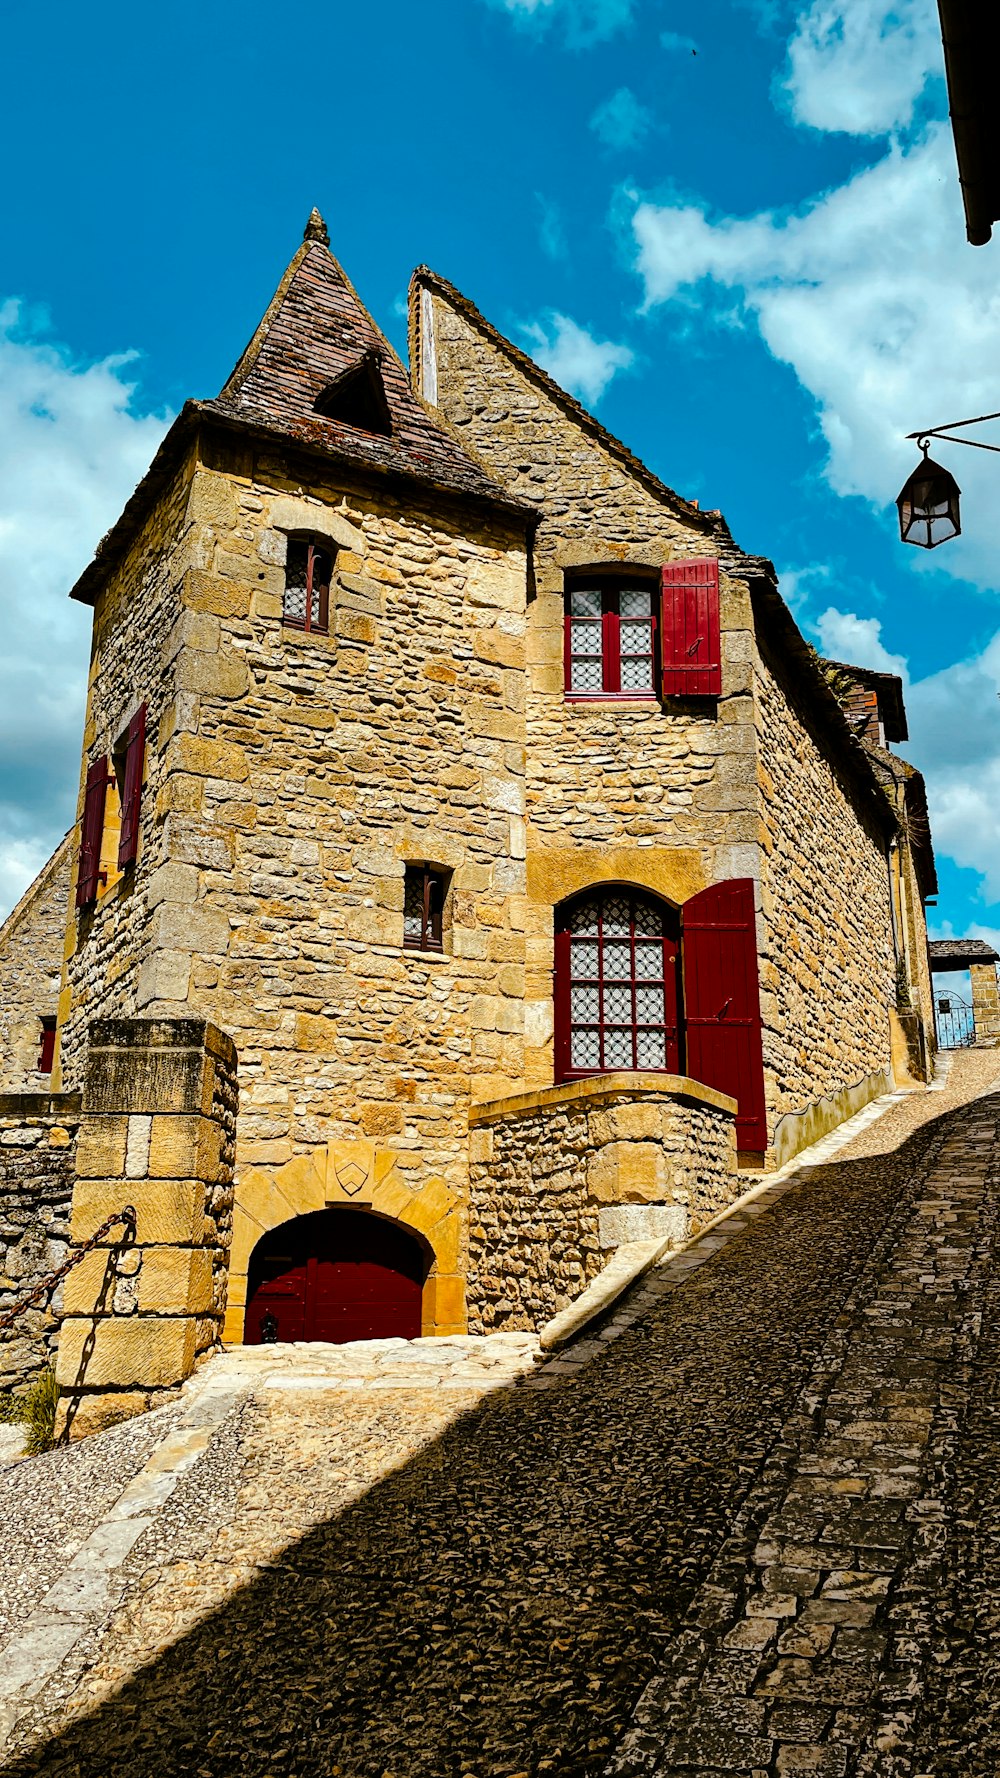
(60, 1106)
(189, 1034)
(597, 1089)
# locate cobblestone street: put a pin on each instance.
(749, 1527)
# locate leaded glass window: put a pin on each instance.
(308, 571)
(616, 984)
(423, 908)
(611, 641)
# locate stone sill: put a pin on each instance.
(603, 706)
(599, 1088)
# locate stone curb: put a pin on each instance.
(634, 1259)
(630, 1261)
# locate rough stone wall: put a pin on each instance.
(299, 774)
(549, 1176)
(139, 630)
(826, 956)
(31, 953)
(157, 1131)
(659, 796)
(37, 1167)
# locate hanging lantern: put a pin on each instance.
(928, 504)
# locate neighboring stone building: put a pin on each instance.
(475, 798)
(31, 943)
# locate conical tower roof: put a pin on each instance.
(317, 343)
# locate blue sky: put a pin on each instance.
(735, 231)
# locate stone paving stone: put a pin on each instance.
(846, 1658)
(500, 1578)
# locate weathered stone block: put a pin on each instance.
(129, 1352)
(167, 1210)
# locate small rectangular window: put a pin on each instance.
(308, 572)
(47, 1050)
(611, 642)
(423, 908)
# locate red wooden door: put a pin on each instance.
(722, 1002)
(335, 1275)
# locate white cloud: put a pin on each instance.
(861, 65)
(578, 362)
(582, 22)
(71, 450)
(621, 121)
(843, 636)
(551, 228)
(873, 296)
(954, 723)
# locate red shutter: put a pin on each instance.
(690, 641)
(91, 833)
(722, 1002)
(135, 749)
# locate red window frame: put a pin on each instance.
(567, 978)
(318, 571)
(423, 897)
(611, 655)
(47, 1044)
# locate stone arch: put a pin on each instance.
(361, 1176)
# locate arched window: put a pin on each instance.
(617, 985)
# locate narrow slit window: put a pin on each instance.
(47, 1045)
(423, 908)
(308, 572)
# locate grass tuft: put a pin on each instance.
(35, 1410)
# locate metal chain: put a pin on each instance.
(126, 1216)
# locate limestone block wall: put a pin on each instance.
(826, 956)
(310, 771)
(985, 1005)
(560, 1177)
(157, 1131)
(631, 791)
(38, 1135)
(31, 951)
(140, 628)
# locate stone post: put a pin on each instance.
(985, 1005)
(158, 1132)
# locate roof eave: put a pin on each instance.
(115, 542)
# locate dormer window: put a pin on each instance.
(308, 571)
(357, 398)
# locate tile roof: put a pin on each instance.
(315, 329)
(958, 953)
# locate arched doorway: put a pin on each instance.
(617, 984)
(335, 1275)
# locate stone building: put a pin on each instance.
(472, 801)
(31, 941)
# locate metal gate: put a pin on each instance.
(955, 1026)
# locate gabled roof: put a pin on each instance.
(314, 333)
(424, 279)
